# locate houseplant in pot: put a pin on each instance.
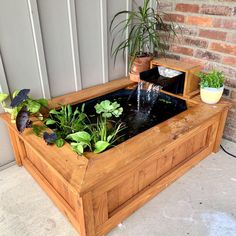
(145, 27)
(212, 86)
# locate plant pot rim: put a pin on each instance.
(213, 89)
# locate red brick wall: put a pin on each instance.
(209, 38)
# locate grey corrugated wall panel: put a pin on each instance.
(60, 43)
(117, 70)
(89, 36)
(17, 47)
(53, 16)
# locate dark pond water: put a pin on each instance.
(143, 109)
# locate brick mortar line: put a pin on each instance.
(218, 63)
(207, 28)
(201, 15)
(213, 28)
(205, 49)
(197, 2)
(210, 40)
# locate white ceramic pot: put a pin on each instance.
(211, 95)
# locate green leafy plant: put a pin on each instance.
(23, 108)
(108, 109)
(104, 132)
(80, 140)
(144, 26)
(213, 79)
(73, 126)
(66, 121)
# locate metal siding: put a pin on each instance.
(90, 46)
(56, 44)
(54, 21)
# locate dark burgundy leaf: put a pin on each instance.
(20, 97)
(22, 119)
(49, 138)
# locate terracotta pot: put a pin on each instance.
(140, 64)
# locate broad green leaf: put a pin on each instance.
(77, 147)
(43, 102)
(50, 122)
(101, 146)
(3, 96)
(54, 112)
(59, 142)
(15, 93)
(9, 110)
(12, 111)
(33, 106)
(80, 136)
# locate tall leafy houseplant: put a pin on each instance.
(144, 25)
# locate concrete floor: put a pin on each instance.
(201, 203)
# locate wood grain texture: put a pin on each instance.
(13, 138)
(98, 192)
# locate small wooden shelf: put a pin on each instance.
(191, 81)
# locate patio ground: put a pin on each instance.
(201, 203)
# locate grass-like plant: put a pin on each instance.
(143, 25)
(213, 79)
(66, 121)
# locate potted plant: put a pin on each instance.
(212, 86)
(144, 25)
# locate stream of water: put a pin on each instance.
(147, 94)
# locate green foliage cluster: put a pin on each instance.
(143, 24)
(33, 106)
(213, 79)
(66, 121)
(77, 128)
(73, 126)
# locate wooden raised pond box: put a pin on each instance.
(98, 192)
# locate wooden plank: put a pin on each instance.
(113, 199)
(220, 130)
(88, 228)
(21, 148)
(14, 146)
(100, 209)
(174, 64)
(91, 92)
(121, 175)
(52, 193)
(157, 138)
(69, 167)
(191, 84)
(141, 198)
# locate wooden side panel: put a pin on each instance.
(191, 81)
(164, 163)
(100, 209)
(147, 175)
(154, 175)
(149, 172)
(44, 169)
(190, 147)
(16, 152)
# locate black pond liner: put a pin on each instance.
(174, 85)
(160, 108)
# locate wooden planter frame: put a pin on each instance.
(98, 192)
